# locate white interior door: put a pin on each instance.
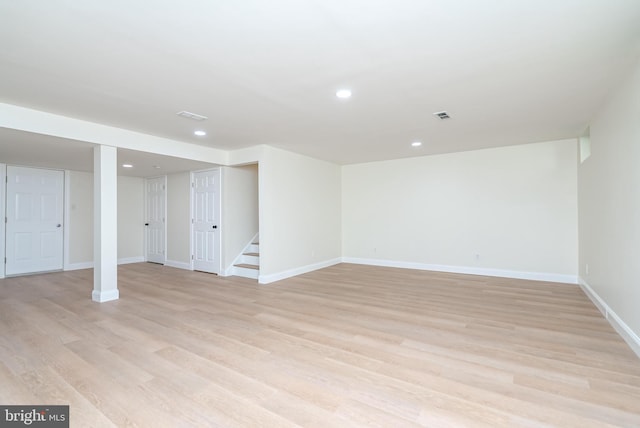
(155, 223)
(34, 232)
(206, 221)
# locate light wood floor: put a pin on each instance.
(345, 346)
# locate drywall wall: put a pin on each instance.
(300, 205)
(179, 220)
(80, 224)
(609, 210)
(509, 211)
(130, 219)
(239, 210)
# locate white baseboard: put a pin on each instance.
(535, 276)
(78, 266)
(629, 336)
(128, 260)
(89, 265)
(105, 296)
(267, 279)
(179, 265)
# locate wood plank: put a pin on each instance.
(347, 345)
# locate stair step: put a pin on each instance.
(247, 266)
(251, 254)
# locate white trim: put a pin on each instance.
(105, 296)
(128, 260)
(535, 276)
(267, 279)
(629, 336)
(78, 266)
(89, 265)
(66, 220)
(178, 265)
(3, 211)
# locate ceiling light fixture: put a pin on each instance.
(343, 94)
(127, 165)
(200, 133)
(416, 144)
(193, 116)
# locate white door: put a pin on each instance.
(206, 221)
(155, 222)
(34, 238)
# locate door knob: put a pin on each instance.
(146, 224)
(214, 226)
(59, 225)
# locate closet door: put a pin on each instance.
(34, 229)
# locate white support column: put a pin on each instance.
(105, 224)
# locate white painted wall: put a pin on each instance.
(178, 220)
(300, 226)
(509, 211)
(80, 224)
(130, 219)
(239, 210)
(609, 210)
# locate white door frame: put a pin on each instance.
(219, 215)
(146, 217)
(3, 210)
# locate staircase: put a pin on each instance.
(247, 264)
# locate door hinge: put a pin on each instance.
(191, 256)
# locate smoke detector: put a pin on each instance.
(193, 116)
(442, 115)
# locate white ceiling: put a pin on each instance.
(266, 72)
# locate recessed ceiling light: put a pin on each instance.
(416, 144)
(200, 133)
(344, 94)
(127, 165)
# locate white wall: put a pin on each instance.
(609, 210)
(239, 210)
(130, 219)
(509, 211)
(300, 226)
(80, 224)
(179, 220)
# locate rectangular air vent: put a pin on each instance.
(192, 116)
(442, 115)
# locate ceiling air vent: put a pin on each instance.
(442, 115)
(192, 116)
